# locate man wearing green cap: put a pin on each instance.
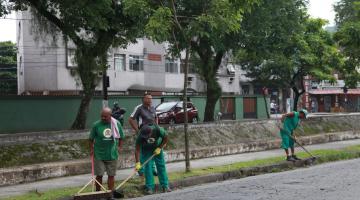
(290, 122)
(151, 140)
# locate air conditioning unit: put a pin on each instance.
(231, 80)
(190, 80)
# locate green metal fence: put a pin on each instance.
(44, 113)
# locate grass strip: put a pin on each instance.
(132, 188)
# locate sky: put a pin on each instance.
(317, 8)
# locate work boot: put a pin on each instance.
(148, 191)
(295, 157)
(290, 158)
(166, 189)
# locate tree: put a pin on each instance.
(94, 28)
(346, 11)
(279, 45)
(210, 26)
(348, 37)
(8, 80)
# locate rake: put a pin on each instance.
(93, 195)
(119, 193)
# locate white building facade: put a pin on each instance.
(46, 66)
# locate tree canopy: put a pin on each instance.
(93, 27)
(209, 27)
(348, 37)
(280, 45)
(8, 70)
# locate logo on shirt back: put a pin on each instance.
(107, 133)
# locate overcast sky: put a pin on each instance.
(317, 8)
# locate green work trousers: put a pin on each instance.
(142, 160)
(160, 167)
(287, 141)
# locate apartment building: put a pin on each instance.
(46, 66)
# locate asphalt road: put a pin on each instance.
(332, 181)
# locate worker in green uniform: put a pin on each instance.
(290, 122)
(151, 140)
(105, 139)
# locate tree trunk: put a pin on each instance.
(296, 100)
(213, 93)
(297, 93)
(81, 116)
(86, 65)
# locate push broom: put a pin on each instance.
(93, 195)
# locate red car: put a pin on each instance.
(172, 112)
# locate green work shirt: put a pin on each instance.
(105, 147)
(291, 123)
(158, 140)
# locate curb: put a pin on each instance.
(240, 173)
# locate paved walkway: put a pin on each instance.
(177, 166)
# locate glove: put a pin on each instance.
(157, 151)
(137, 166)
(294, 138)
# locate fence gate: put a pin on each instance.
(250, 107)
(227, 108)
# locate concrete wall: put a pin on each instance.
(205, 140)
(66, 153)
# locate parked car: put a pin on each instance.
(172, 112)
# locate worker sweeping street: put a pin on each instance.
(106, 138)
(290, 122)
(151, 140)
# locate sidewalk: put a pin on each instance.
(177, 166)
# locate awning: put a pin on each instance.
(334, 91)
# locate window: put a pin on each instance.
(70, 58)
(171, 66)
(191, 70)
(230, 69)
(136, 63)
(119, 62)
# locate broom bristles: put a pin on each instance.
(93, 195)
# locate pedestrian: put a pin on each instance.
(118, 113)
(313, 106)
(143, 114)
(151, 140)
(290, 122)
(106, 138)
(272, 107)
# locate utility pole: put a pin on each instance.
(187, 153)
